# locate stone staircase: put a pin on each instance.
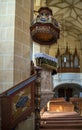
(61, 121)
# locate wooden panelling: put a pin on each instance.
(17, 103)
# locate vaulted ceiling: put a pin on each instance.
(68, 13)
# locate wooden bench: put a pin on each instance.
(57, 100)
(66, 122)
(61, 107)
(77, 102)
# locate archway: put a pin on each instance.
(67, 90)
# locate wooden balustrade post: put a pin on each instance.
(37, 98)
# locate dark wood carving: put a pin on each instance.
(45, 29)
(17, 103)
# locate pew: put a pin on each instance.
(77, 102)
(60, 105)
(64, 122)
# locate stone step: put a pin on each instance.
(61, 129)
(60, 115)
(63, 126)
(63, 122)
(61, 119)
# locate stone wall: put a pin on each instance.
(22, 45)
(15, 42)
(7, 17)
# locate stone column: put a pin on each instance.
(7, 25)
(81, 55)
(22, 43)
(46, 87)
(15, 41)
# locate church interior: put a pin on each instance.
(40, 64)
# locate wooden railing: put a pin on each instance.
(17, 103)
(77, 104)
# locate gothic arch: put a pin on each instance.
(67, 90)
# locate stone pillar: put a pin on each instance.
(15, 42)
(46, 87)
(81, 55)
(7, 25)
(22, 43)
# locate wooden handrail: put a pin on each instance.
(18, 86)
(17, 103)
